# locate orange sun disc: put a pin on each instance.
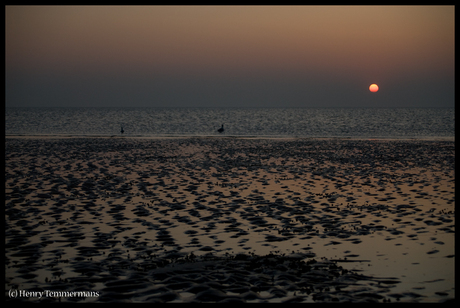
(373, 87)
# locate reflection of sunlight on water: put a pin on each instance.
(404, 254)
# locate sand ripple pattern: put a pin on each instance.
(231, 219)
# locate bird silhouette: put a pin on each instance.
(122, 131)
(221, 130)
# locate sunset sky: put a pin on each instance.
(229, 56)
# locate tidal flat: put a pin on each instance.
(230, 219)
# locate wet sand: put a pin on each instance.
(230, 219)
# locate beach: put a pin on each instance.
(221, 219)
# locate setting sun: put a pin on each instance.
(373, 87)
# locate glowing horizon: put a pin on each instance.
(359, 43)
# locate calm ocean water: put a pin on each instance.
(260, 122)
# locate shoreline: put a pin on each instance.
(71, 136)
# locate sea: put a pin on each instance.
(392, 123)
